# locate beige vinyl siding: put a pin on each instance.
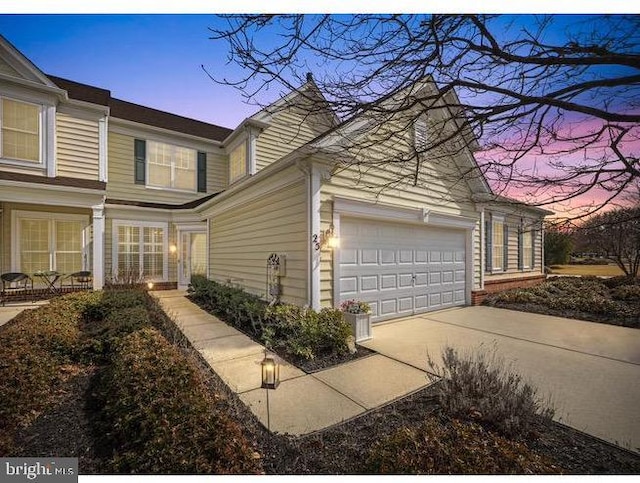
(5, 68)
(441, 191)
(242, 237)
(289, 130)
(326, 258)
(217, 172)
(77, 147)
(121, 183)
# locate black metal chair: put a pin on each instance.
(80, 280)
(15, 283)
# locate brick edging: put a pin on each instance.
(493, 286)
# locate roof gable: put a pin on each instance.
(15, 65)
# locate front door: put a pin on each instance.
(192, 259)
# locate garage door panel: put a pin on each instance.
(389, 306)
(369, 283)
(406, 280)
(349, 256)
(369, 256)
(401, 269)
(405, 304)
(388, 282)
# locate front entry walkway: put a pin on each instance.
(590, 371)
(303, 403)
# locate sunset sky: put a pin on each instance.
(153, 60)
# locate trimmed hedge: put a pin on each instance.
(454, 447)
(158, 417)
(33, 348)
(292, 330)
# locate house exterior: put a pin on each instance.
(88, 181)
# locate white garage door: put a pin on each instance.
(401, 269)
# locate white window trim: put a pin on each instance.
(41, 137)
(17, 215)
(169, 188)
(141, 224)
(497, 219)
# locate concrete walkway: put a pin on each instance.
(303, 403)
(590, 371)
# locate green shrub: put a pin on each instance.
(300, 332)
(305, 333)
(479, 385)
(157, 416)
(453, 447)
(113, 300)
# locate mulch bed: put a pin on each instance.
(65, 430)
(632, 322)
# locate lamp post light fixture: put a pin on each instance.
(270, 379)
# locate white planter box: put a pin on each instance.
(360, 325)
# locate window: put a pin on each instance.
(20, 130)
(171, 166)
(140, 250)
(46, 242)
(238, 162)
(497, 244)
(527, 249)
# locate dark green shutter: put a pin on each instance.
(140, 150)
(488, 225)
(520, 247)
(202, 172)
(505, 247)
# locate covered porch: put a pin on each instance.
(51, 241)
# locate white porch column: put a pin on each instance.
(314, 215)
(98, 246)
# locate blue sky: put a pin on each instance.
(154, 60)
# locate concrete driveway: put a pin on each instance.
(590, 371)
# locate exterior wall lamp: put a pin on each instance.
(327, 238)
(173, 248)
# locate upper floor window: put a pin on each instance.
(20, 130)
(171, 166)
(163, 165)
(238, 162)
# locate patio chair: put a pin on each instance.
(80, 280)
(14, 284)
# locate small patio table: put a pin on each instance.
(50, 277)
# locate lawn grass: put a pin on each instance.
(587, 270)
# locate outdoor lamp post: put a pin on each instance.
(270, 379)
